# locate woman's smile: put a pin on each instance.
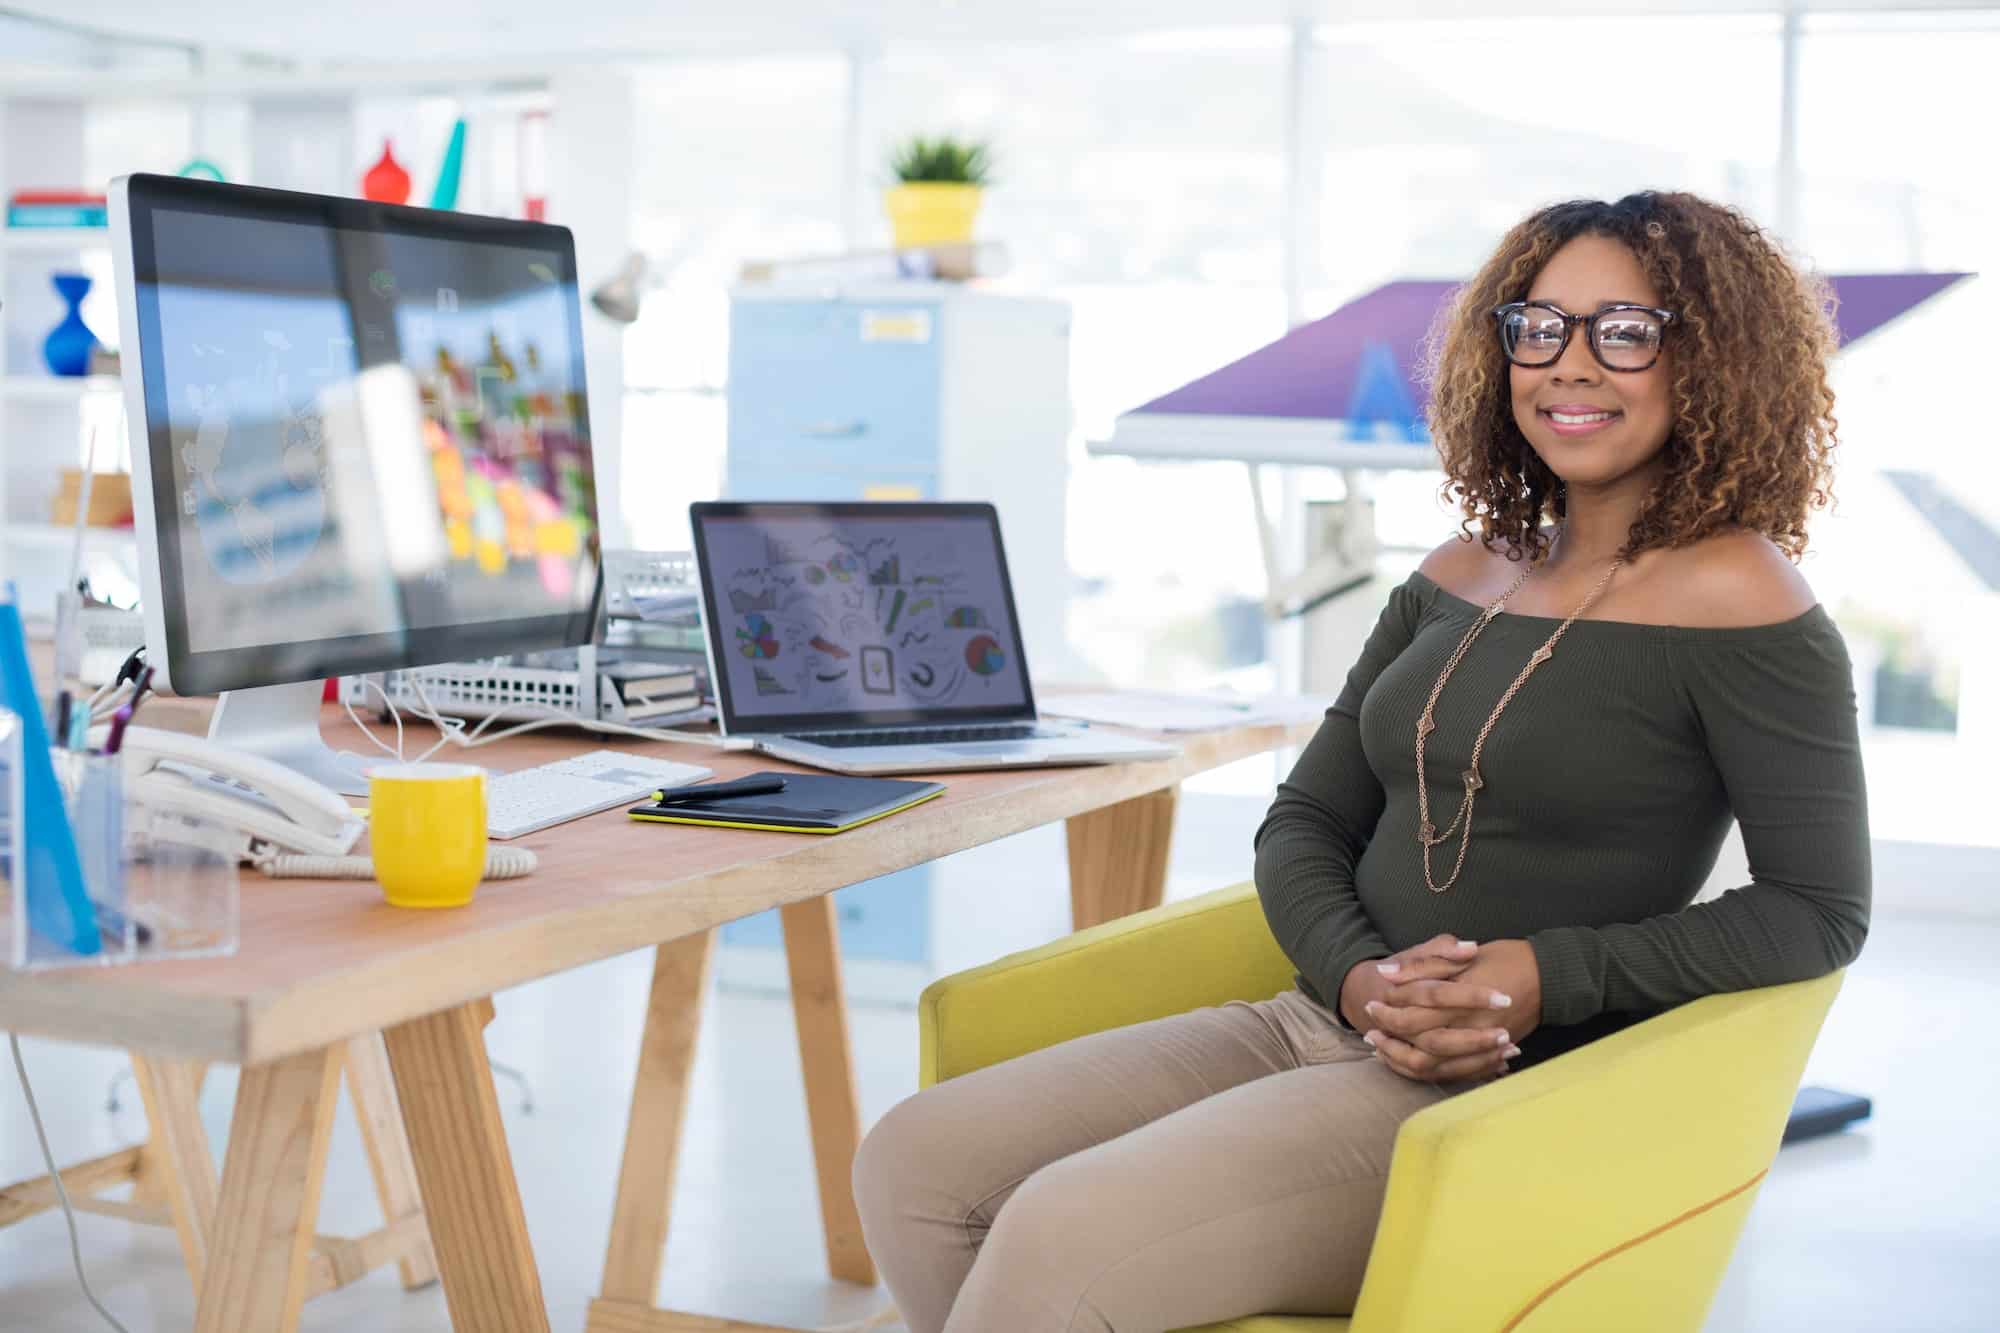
(1577, 418)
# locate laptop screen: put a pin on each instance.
(829, 615)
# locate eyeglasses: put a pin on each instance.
(1622, 337)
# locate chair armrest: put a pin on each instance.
(1185, 955)
(1603, 1189)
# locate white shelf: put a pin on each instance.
(398, 78)
(55, 388)
(51, 539)
(60, 240)
(59, 537)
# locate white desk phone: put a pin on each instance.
(284, 824)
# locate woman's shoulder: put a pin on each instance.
(1461, 566)
(1734, 579)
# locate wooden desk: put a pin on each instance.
(324, 962)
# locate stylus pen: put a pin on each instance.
(123, 717)
(721, 791)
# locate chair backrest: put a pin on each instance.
(1194, 952)
(1604, 1189)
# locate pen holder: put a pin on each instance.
(152, 884)
(181, 888)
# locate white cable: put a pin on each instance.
(355, 718)
(62, 1195)
(501, 863)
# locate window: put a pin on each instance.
(1141, 180)
(734, 160)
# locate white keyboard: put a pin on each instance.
(534, 798)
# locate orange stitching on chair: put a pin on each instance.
(1579, 1270)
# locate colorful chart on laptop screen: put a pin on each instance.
(983, 656)
(852, 615)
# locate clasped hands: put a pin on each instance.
(1447, 1009)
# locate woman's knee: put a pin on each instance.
(905, 1157)
(1054, 1230)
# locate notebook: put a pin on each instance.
(810, 803)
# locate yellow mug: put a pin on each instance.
(427, 832)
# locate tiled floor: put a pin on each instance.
(1894, 1225)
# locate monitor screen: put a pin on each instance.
(366, 433)
(829, 615)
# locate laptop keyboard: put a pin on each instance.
(1013, 731)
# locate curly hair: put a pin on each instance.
(1753, 425)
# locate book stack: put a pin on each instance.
(55, 208)
(650, 691)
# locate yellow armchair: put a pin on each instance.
(1603, 1189)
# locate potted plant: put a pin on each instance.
(938, 189)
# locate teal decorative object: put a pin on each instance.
(446, 194)
(200, 168)
(68, 346)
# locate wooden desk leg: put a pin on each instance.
(373, 1090)
(176, 1167)
(812, 949)
(653, 1131)
(256, 1275)
(466, 1175)
(1118, 858)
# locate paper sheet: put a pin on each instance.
(1160, 711)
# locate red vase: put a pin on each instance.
(386, 181)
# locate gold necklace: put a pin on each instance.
(1427, 835)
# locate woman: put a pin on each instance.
(1630, 401)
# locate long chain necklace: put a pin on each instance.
(1427, 834)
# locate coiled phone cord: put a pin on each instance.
(501, 863)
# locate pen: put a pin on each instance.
(123, 717)
(761, 785)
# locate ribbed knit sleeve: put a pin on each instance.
(1777, 712)
(1320, 823)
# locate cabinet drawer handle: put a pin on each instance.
(836, 430)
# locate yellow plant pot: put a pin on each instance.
(932, 212)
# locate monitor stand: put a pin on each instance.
(281, 723)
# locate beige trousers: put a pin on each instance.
(1220, 1163)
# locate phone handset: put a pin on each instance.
(280, 812)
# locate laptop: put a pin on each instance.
(876, 637)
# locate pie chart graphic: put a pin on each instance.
(983, 655)
(759, 639)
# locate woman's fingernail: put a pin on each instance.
(1369, 1036)
(1371, 1006)
(1501, 1001)
(1467, 944)
(1388, 969)
(1513, 1051)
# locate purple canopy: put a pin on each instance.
(1314, 371)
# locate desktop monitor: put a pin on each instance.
(360, 442)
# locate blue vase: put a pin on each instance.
(67, 348)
